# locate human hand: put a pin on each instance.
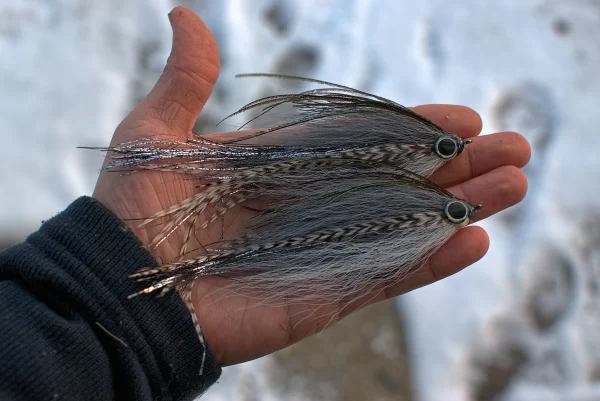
(487, 171)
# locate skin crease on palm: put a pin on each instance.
(488, 171)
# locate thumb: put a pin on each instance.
(188, 79)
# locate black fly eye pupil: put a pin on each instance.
(456, 212)
(446, 148)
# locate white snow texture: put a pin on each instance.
(520, 325)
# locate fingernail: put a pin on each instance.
(170, 20)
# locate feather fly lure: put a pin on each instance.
(358, 228)
(331, 122)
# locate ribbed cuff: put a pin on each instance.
(158, 330)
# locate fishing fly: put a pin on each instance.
(333, 121)
(357, 228)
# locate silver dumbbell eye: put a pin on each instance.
(456, 211)
(446, 147)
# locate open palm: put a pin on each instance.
(487, 171)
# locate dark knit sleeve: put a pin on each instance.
(67, 329)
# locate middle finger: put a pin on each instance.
(483, 155)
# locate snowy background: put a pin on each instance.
(520, 325)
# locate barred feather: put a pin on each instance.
(288, 180)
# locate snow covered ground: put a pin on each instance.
(522, 324)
